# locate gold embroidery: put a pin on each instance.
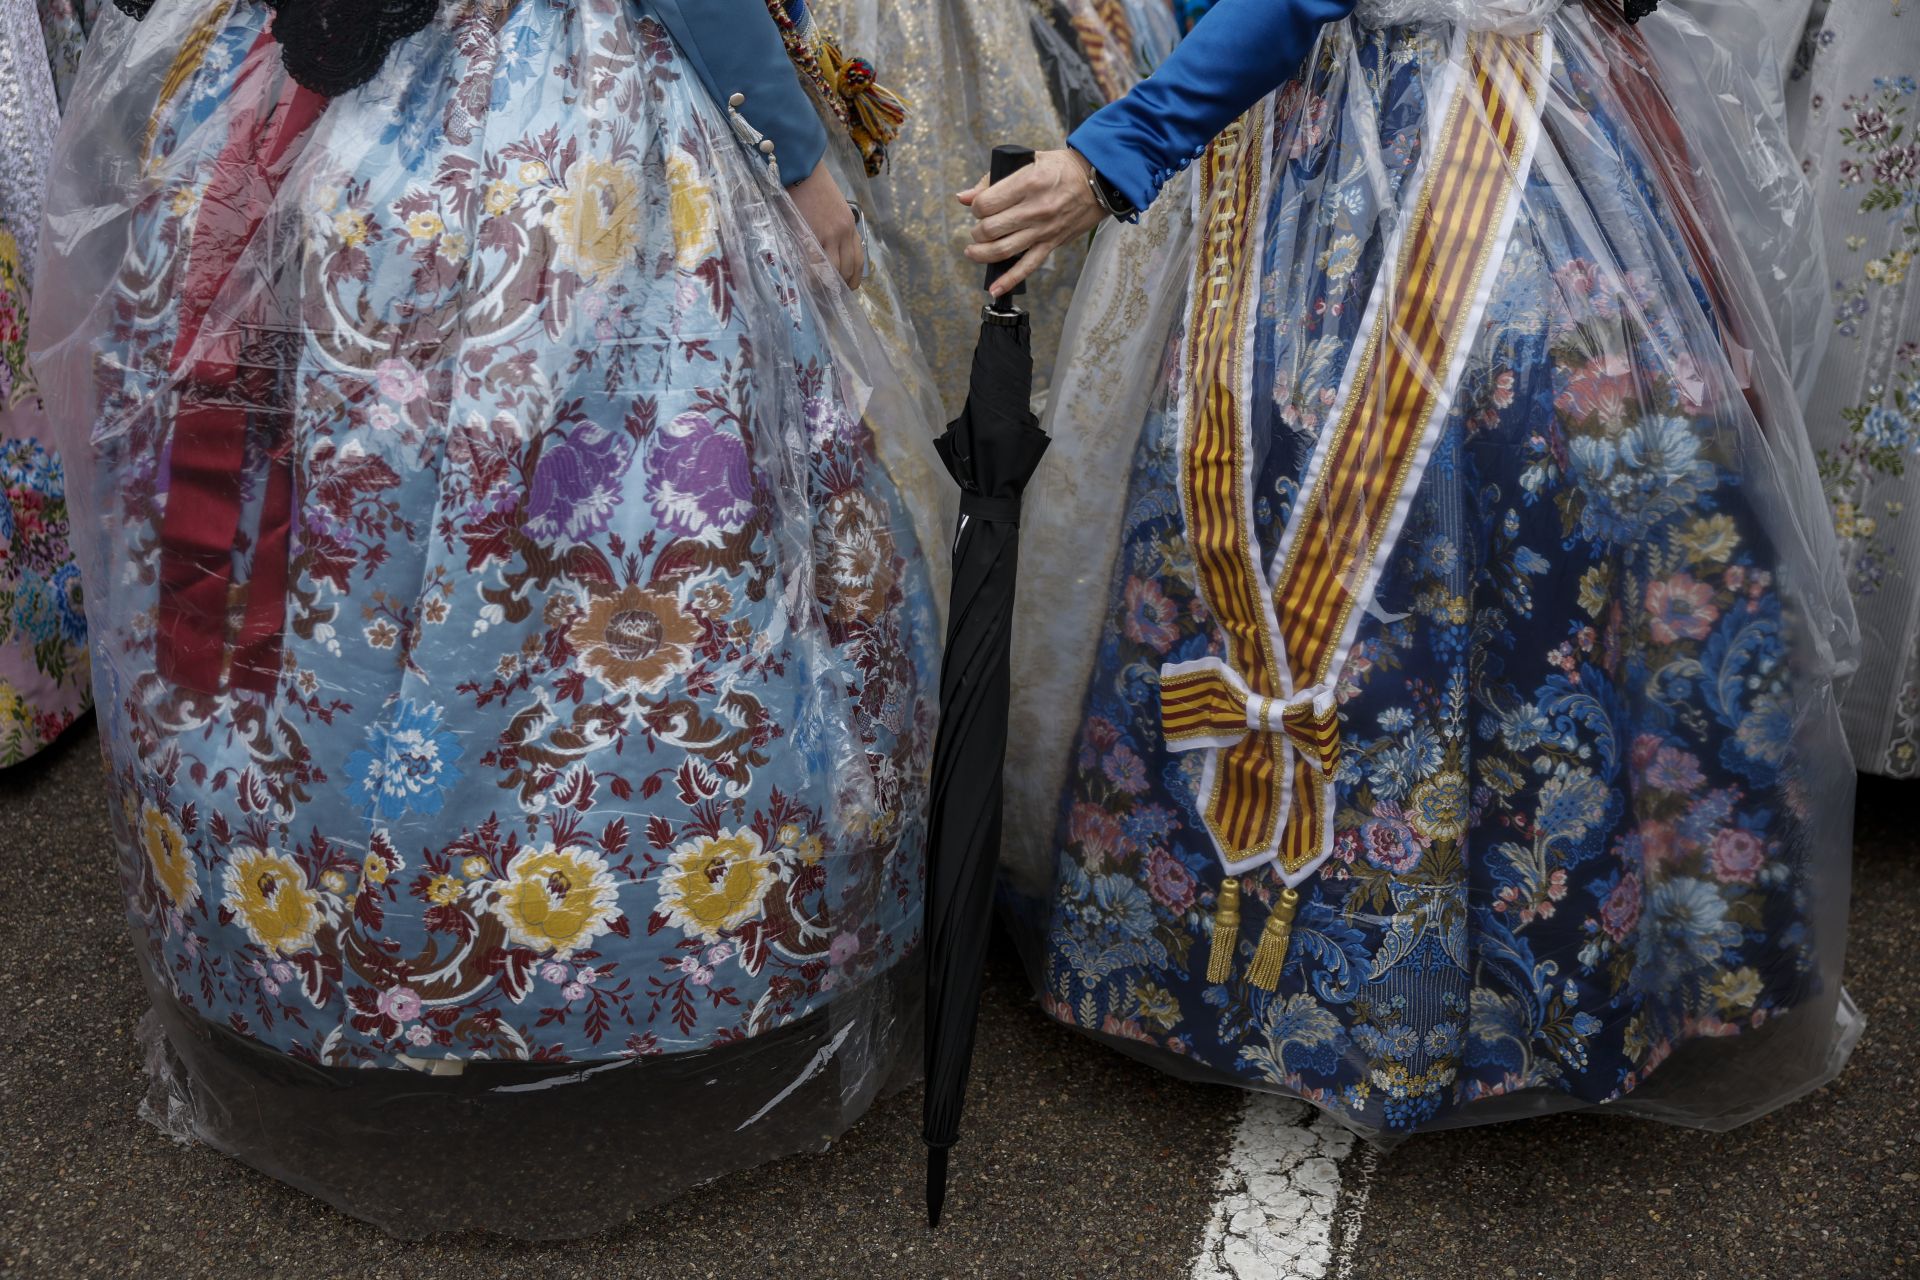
(192, 52)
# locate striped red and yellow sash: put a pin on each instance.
(1266, 716)
(1106, 37)
(1244, 780)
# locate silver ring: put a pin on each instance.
(866, 248)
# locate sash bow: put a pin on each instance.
(1208, 704)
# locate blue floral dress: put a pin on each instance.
(560, 693)
(1585, 801)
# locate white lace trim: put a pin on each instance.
(1509, 17)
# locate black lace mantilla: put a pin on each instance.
(332, 46)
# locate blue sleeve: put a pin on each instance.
(735, 48)
(1236, 54)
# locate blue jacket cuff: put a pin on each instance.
(1112, 145)
(1236, 54)
(734, 48)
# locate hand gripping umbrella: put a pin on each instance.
(991, 450)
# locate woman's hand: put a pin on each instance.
(831, 218)
(1032, 213)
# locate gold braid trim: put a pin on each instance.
(871, 113)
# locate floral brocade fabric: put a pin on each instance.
(1854, 103)
(1574, 825)
(599, 725)
(43, 654)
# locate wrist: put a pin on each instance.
(1112, 203)
(811, 179)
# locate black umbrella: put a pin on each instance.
(991, 450)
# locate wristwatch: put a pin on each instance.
(1109, 196)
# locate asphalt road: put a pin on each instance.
(1078, 1162)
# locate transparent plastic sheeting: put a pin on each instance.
(526, 823)
(902, 410)
(973, 77)
(1093, 51)
(1072, 79)
(1466, 577)
(1154, 30)
(1729, 73)
(529, 1150)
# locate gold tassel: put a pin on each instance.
(1226, 931)
(874, 112)
(1271, 955)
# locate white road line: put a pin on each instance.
(1359, 1191)
(1274, 1214)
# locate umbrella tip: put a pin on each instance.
(936, 1184)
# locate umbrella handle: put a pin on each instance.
(1007, 160)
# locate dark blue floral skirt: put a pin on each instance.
(1588, 805)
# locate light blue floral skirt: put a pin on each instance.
(507, 643)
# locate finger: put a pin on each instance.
(972, 193)
(1040, 212)
(1011, 190)
(1002, 225)
(1005, 247)
(1029, 263)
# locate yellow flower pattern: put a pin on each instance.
(596, 218)
(351, 226)
(690, 202)
(166, 850)
(1439, 809)
(268, 894)
(556, 900)
(716, 884)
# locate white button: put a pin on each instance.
(737, 101)
(766, 146)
